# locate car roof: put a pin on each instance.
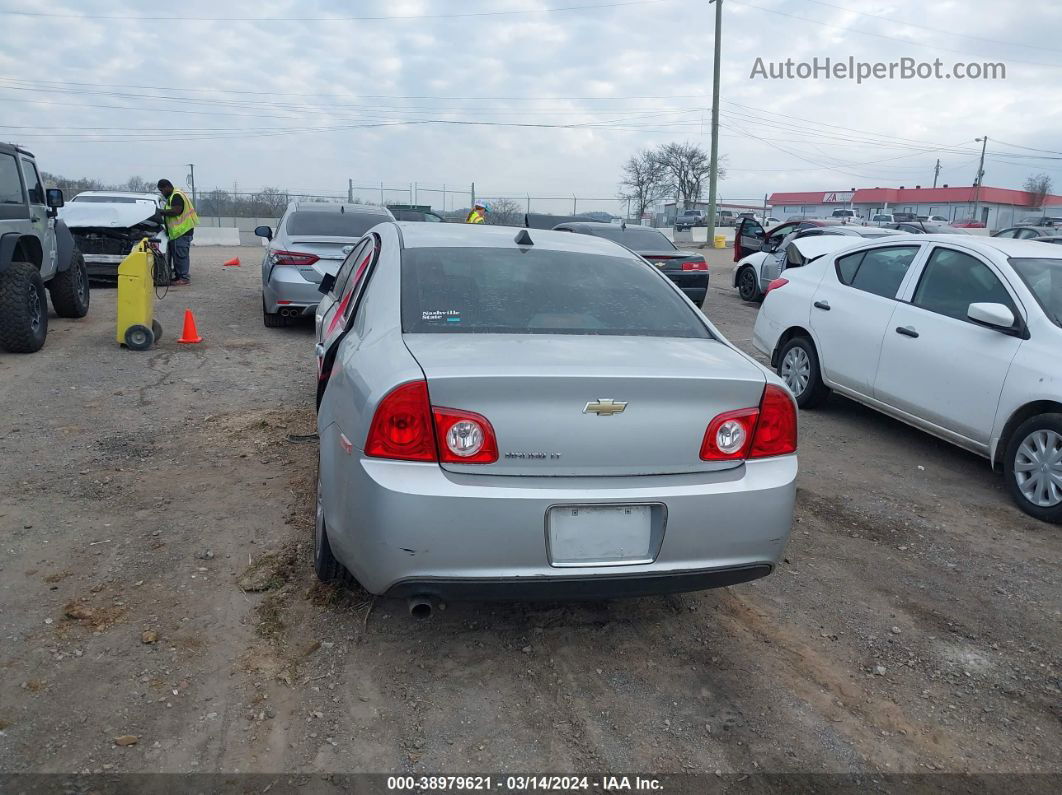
(816, 245)
(10, 149)
(1009, 247)
(421, 235)
(335, 207)
(590, 226)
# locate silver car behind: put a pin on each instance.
(522, 413)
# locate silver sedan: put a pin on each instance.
(533, 414)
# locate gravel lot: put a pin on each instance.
(155, 589)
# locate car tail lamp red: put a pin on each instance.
(737, 245)
(763, 432)
(775, 284)
(402, 426)
(297, 258)
(406, 427)
(695, 265)
(464, 437)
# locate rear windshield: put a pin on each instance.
(535, 291)
(332, 224)
(1043, 277)
(635, 239)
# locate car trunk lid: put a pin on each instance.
(330, 253)
(535, 391)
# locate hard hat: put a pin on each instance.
(479, 204)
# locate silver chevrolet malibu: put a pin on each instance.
(519, 413)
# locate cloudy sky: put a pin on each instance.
(539, 97)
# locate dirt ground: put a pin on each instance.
(156, 590)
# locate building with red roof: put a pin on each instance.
(995, 207)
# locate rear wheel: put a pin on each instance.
(23, 309)
(156, 330)
(748, 287)
(1033, 467)
(325, 565)
(70, 288)
(798, 366)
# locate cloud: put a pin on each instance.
(289, 103)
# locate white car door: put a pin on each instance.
(851, 310)
(936, 363)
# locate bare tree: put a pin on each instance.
(269, 202)
(1039, 185)
(505, 212)
(643, 181)
(140, 185)
(687, 166)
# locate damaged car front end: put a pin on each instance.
(107, 226)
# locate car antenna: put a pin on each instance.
(523, 238)
(342, 209)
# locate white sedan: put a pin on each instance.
(959, 337)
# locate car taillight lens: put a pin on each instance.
(776, 431)
(769, 430)
(407, 427)
(402, 426)
(695, 265)
(729, 435)
(297, 258)
(464, 437)
(737, 245)
(775, 284)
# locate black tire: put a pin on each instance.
(748, 285)
(156, 330)
(70, 288)
(1049, 425)
(139, 338)
(273, 319)
(809, 391)
(23, 309)
(325, 566)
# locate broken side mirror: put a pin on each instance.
(328, 281)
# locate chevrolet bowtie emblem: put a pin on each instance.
(604, 407)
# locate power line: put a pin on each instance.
(367, 18)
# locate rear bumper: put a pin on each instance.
(693, 284)
(566, 588)
(287, 289)
(406, 528)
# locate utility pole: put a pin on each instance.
(980, 176)
(575, 205)
(713, 176)
(381, 195)
(472, 206)
(416, 193)
(528, 203)
(936, 172)
(350, 191)
(191, 180)
(444, 197)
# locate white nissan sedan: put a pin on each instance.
(960, 337)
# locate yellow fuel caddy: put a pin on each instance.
(137, 328)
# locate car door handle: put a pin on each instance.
(907, 331)
(823, 305)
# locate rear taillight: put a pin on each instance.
(407, 427)
(297, 258)
(402, 426)
(776, 431)
(737, 245)
(464, 437)
(769, 430)
(775, 284)
(695, 265)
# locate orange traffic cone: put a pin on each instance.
(233, 263)
(190, 335)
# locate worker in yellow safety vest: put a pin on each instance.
(478, 215)
(181, 221)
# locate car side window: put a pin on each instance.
(879, 271)
(343, 274)
(357, 280)
(10, 184)
(953, 280)
(779, 234)
(33, 182)
(793, 257)
(1008, 233)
